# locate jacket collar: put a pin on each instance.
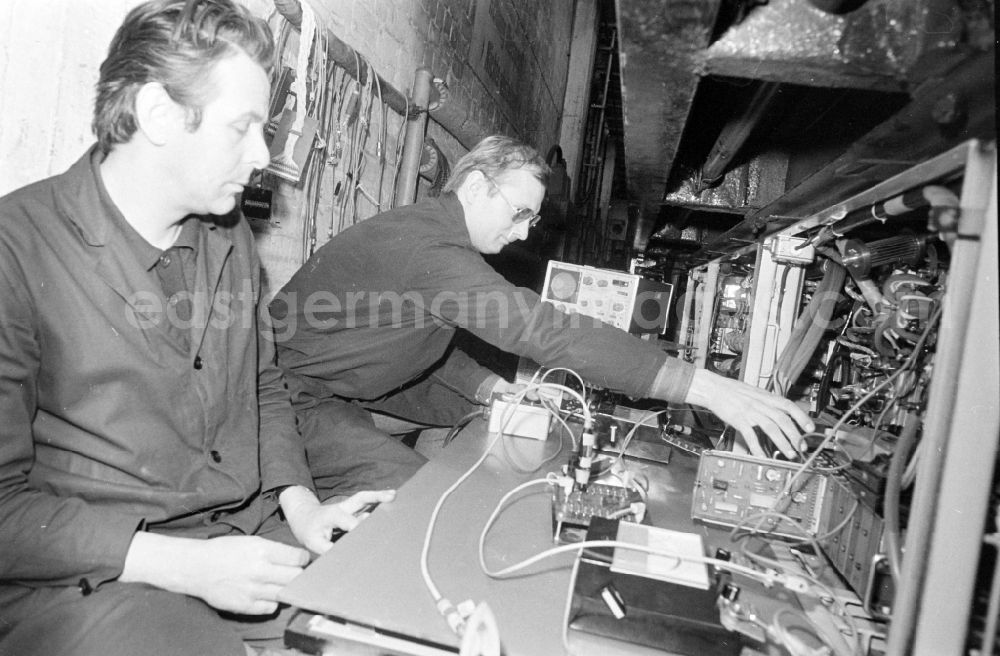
(83, 200)
(453, 214)
(81, 188)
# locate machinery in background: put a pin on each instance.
(861, 313)
(625, 300)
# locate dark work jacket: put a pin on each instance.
(377, 306)
(108, 424)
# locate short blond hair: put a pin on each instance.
(495, 156)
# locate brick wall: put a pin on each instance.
(504, 61)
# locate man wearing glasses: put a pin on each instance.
(364, 329)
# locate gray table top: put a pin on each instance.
(372, 575)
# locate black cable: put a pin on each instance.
(460, 424)
(381, 142)
(337, 126)
(313, 105)
(443, 169)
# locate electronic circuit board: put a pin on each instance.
(572, 511)
(734, 489)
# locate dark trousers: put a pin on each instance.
(126, 619)
(348, 453)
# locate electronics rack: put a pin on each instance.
(738, 491)
(740, 315)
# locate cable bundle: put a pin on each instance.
(809, 329)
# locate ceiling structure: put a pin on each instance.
(739, 116)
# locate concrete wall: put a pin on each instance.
(503, 63)
(49, 54)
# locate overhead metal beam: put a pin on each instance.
(658, 47)
(876, 47)
(947, 110)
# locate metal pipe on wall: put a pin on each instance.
(735, 135)
(413, 143)
(455, 120)
(347, 58)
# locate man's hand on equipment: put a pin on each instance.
(744, 407)
(313, 522)
(513, 389)
(504, 387)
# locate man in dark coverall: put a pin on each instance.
(367, 324)
(147, 438)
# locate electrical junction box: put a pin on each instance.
(518, 419)
(645, 613)
(791, 250)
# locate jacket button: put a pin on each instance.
(216, 456)
(197, 362)
(215, 516)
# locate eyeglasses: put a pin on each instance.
(520, 215)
